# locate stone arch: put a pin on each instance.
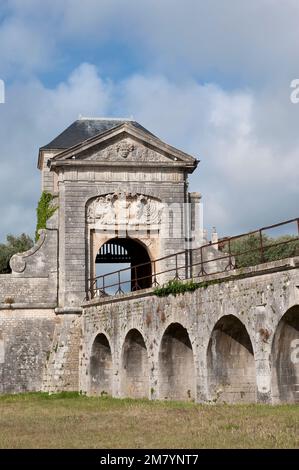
(230, 362)
(101, 366)
(134, 366)
(134, 253)
(143, 243)
(285, 358)
(176, 365)
(121, 217)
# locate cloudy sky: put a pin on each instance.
(211, 77)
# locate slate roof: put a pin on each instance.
(85, 128)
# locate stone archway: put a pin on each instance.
(123, 222)
(128, 253)
(285, 358)
(101, 367)
(176, 365)
(134, 366)
(230, 362)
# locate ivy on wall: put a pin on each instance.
(45, 210)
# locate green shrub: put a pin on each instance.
(246, 250)
(177, 287)
(13, 245)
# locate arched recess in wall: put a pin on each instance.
(134, 366)
(101, 367)
(285, 358)
(230, 363)
(176, 365)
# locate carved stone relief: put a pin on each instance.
(122, 208)
(124, 148)
(128, 150)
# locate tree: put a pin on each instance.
(14, 244)
(247, 249)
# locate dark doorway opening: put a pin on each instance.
(127, 255)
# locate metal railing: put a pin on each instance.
(211, 258)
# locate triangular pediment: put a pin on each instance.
(124, 146)
(125, 149)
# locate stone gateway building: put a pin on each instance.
(121, 196)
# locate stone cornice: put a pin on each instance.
(177, 158)
(124, 164)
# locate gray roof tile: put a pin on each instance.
(83, 129)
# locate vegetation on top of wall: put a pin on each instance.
(13, 245)
(177, 287)
(44, 211)
(246, 250)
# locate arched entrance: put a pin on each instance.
(176, 365)
(135, 367)
(230, 362)
(101, 367)
(128, 255)
(285, 358)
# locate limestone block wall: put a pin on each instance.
(76, 188)
(215, 344)
(33, 281)
(49, 179)
(233, 341)
(25, 341)
(62, 366)
(39, 351)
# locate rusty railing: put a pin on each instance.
(211, 258)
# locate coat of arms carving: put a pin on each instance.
(124, 148)
(122, 208)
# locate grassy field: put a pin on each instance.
(72, 421)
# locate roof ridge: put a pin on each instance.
(85, 128)
(86, 118)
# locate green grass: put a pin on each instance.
(68, 420)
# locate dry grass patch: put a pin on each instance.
(74, 421)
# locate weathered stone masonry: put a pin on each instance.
(232, 341)
(212, 366)
(43, 350)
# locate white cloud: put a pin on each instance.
(247, 178)
(242, 126)
(232, 41)
(30, 118)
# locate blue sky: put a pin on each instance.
(210, 77)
